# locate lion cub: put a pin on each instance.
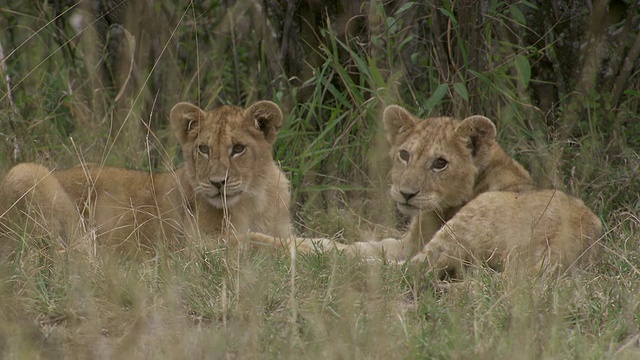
(473, 204)
(229, 185)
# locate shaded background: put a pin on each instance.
(94, 81)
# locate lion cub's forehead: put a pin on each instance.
(224, 115)
(224, 125)
(433, 137)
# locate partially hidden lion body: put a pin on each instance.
(472, 204)
(228, 186)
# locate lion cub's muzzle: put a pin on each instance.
(221, 192)
(407, 200)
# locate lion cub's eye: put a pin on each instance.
(439, 164)
(237, 149)
(203, 150)
(404, 155)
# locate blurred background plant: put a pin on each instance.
(95, 80)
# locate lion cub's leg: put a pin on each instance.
(389, 248)
(445, 255)
(32, 201)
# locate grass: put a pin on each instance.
(221, 304)
(63, 108)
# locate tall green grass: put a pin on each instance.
(59, 105)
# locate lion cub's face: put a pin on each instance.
(227, 149)
(434, 159)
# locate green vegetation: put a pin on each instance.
(94, 81)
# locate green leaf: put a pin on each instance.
(450, 15)
(631, 92)
(437, 96)
(392, 24)
(404, 42)
(517, 15)
(523, 68)
(461, 89)
(405, 7)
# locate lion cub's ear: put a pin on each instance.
(478, 131)
(185, 118)
(267, 117)
(396, 121)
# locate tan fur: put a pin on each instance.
(230, 185)
(539, 230)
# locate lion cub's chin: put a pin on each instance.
(407, 209)
(219, 201)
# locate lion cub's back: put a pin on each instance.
(123, 204)
(545, 225)
(118, 183)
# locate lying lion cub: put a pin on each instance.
(229, 185)
(471, 203)
(493, 212)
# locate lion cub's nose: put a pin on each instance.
(408, 195)
(217, 183)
